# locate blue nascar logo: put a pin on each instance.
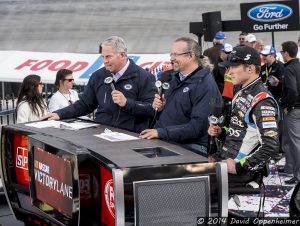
(270, 12)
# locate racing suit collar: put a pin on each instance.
(251, 83)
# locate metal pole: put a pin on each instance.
(3, 91)
(273, 42)
(2, 101)
(46, 93)
(7, 116)
(200, 41)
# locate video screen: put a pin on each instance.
(53, 181)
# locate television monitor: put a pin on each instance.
(54, 179)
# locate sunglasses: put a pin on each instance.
(69, 79)
(241, 39)
(234, 58)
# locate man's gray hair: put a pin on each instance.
(194, 47)
(117, 43)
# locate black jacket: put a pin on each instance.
(276, 70)
(184, 118)
(291, 85)
(218, 73)
(138, 87)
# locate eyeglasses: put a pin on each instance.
(69, 79)
(178, 54)
(282, 51)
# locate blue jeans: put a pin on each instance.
(197, 148)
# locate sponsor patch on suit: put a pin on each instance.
(267, 125)
(267, 119)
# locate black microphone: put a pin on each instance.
(216, 118)
(158, 85)
(161, 87)
(109, 81)
(165, 86)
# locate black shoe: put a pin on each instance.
(278, 157)
(291, 181)
(280, 169)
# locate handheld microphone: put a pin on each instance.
(158, 85)
(109, 81)
(161, 88)
(216, 118)
(165, 86)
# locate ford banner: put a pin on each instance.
(270, 16)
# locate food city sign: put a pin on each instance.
(15, 65)
(270, 16)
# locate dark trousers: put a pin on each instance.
(240, 180)
(291, 142)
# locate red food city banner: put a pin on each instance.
(16, 65)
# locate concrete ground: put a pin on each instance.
(6, 217)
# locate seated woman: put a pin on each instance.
(65, 95)
(30, 104)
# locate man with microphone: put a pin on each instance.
(186, 105)
(127, 103)
(252, 137)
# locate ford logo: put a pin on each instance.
(269, 12)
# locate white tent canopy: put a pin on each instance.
(16, 65)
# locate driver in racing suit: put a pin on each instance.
(252, 138)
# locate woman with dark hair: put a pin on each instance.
(65, 95)
(31, 105)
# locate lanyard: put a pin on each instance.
(268, 71)
(69, 100)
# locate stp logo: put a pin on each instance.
(109, 197)
(22, 158)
